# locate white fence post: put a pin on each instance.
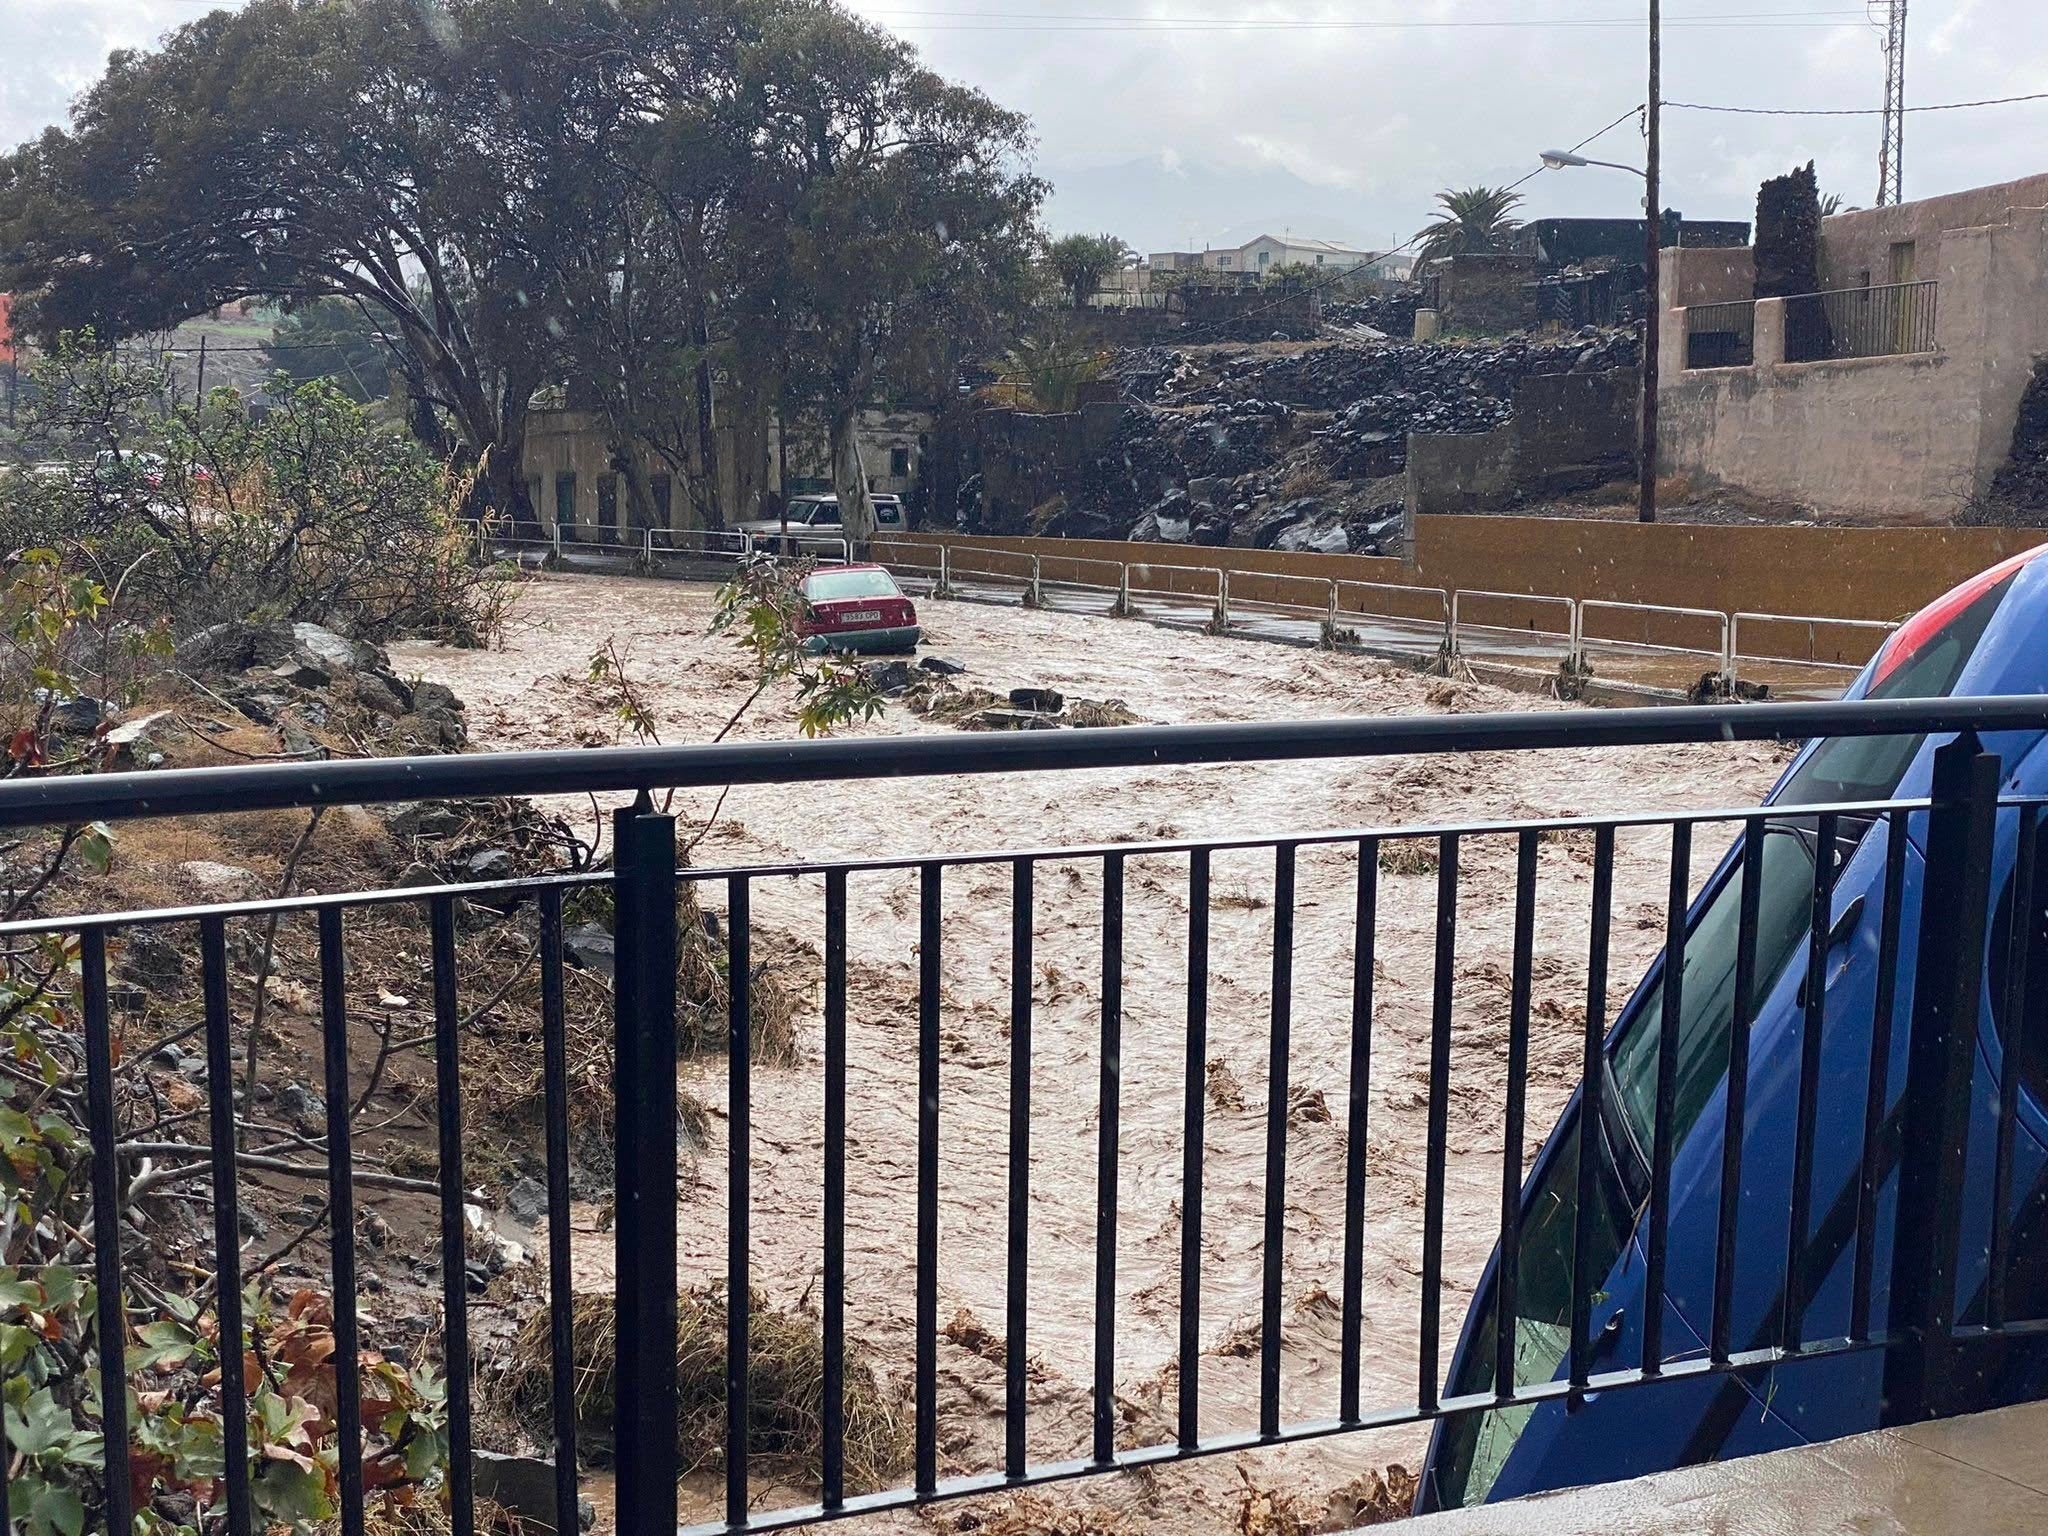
(1037, 595)
(1123, 591)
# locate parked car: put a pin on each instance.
(1989, 636)
(810, 525)
(857, 608)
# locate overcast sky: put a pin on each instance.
(1199, 120)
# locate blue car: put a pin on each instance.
(1989, 636)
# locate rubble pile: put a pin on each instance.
(1391, 314)
(1296, 450)
(2019, 490)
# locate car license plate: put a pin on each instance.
(864, 616)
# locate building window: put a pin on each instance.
(565, 504)
(1319, 260)
(608, 502)
(1224, 261)
(1264, 257)
(899, 463)
(663, 490)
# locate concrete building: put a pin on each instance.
(576, 482)
(1891, 396)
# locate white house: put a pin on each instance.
(1263, 255)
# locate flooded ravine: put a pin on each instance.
(534, 693)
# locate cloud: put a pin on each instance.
(1375, 114)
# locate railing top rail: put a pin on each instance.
(1887, 625)
(1615, 604)
(271, 786)
(527, 887)
(1829, 293)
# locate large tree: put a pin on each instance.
(295, 150)
(1081, 262)
(904, 222)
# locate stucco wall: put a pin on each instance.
(1854, 243)
(1889, 439)
(1707, 274)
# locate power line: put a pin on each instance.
(1943, 106)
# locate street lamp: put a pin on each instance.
(1653, 220)
(1560, 159)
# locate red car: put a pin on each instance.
(857, 608)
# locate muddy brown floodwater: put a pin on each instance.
(532, 693)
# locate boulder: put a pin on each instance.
(524, 1486)
(426, 818)
(220, 882)
(491, 864)
(336, 653)
(940, 666)
(1321, 538)
(133, 742)
(591, 948)
(378, 692)
(891, 677)
(527, 1202)
(80, 716)
(1043, 701)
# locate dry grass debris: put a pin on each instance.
(786, 1379)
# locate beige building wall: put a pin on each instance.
(574, 484)
(1907, 439)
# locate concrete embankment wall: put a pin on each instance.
(1850, 573)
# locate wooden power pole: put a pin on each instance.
(1653, 307)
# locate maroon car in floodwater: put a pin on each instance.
(857, 608)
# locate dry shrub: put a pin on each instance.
(786, 1385)
(1408, 856)
(1309, 480)
(1269, 1512)
(1089, 713)
(1372, 1498)
(974, 1336)
(1225, 1091)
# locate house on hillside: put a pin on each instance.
(1893, 393)
(1269, 253)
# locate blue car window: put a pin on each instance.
(1707, 1000)
(1870, 767)
(2032, 951)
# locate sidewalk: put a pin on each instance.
(1984, 1474)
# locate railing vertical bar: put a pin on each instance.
(1017, 1291)
(647, 1399)
(1876, 1092)
(1921, 1376)
(2012, 1020)
(1364, 946)
(111, 1314)
(1658, 1246)
(739, 1078)
(1275, 1240)
(227, 1227)
(832, 1460)
(454, 1272)
(1812, 1026)
(561, 1276)
(1735, 1112)
(1109, 1116)
(1444, 983)
(1194, 1106)
(348, 1416)
(1592, 1064)
(927, 1298)
(1507, 1268)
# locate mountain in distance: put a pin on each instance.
(1163, 203)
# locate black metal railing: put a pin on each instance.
(1917, 1329)
(1890, 320)
(1720, 335)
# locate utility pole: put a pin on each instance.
(1653, 309)
(200, 389)
(1891, 149)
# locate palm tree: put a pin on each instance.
(1476, 219)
